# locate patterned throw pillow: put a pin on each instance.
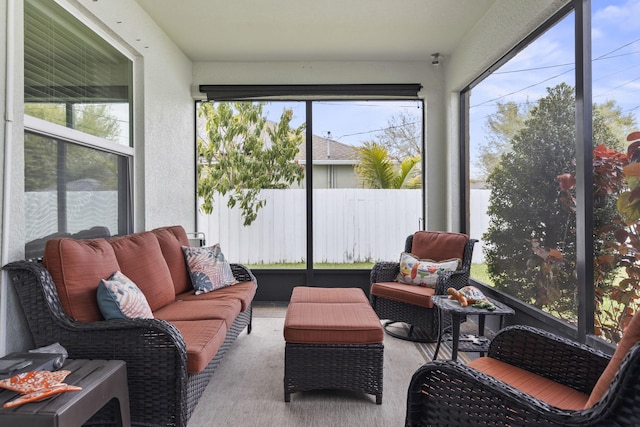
(208, 268)
(120, 298)
(423, 272)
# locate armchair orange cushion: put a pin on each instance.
(438, 245)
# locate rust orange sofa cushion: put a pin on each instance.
(140, 259)
(222, 309)
(438, 245)
(203, 339)
(171, 239)
(76, 267)
(243, 291)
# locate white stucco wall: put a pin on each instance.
(164, 114)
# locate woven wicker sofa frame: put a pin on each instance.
(449, 393)
(161, 391)
(416, 316)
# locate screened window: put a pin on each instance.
(352, 164)
(521, 139)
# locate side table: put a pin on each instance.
(457, 312)
(101, 382)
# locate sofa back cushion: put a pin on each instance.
(630, 338)
(438, 245)
(140, 259)
(171, 240)
(77, 266)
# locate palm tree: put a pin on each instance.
(376, 169)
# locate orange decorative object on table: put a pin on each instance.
(36, 385)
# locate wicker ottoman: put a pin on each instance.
(333, 341)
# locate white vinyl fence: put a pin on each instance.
(350, 225)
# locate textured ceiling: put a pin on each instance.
(315, 30)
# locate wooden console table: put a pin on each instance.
(101, 382)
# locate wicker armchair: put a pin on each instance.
(449, 393)
(161, 391)
(411, 304)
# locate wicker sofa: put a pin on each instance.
(171, 357)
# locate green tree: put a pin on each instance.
(402, 137)
(501, 127)
(530, 248)
(241, 154)
(376, 169)
(42, 154)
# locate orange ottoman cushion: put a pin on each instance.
(330, 323)
(328, 295)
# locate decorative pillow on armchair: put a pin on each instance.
(120, 298)
(208, 268)
(423, 272)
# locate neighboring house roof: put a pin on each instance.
(328, 151)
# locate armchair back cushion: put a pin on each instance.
(140, 259)
(630, 337)
(171, 240)
(76, 267)
(438, 245)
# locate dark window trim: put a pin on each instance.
(302, 92)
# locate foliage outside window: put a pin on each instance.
(526, 163)
(252, 179)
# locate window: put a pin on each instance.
(355, 215)
(525, 176)
(77, 91)
(521, 139)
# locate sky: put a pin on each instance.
(549, 60)
(348, 122)
(544, 63)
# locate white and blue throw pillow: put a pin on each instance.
(208, 268)
(120, 298)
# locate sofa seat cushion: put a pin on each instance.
(542, 388)
(242, 291)
(328, 295)
(222, 309)
(171, 240)
(203, 339)
(140, 259)
(331, 323)
(408, 294)
(76, 267)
